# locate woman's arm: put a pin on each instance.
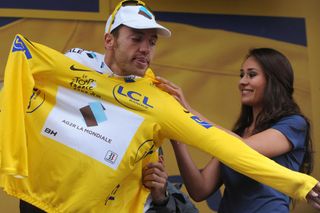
(200, 184)
(270, 142)
(313, 196)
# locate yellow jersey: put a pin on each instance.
(72, 139)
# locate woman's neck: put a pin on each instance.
(255, 113)
(249, 130)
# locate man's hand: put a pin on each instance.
(155, 178)
(313, 197)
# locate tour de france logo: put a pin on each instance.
(84, 84)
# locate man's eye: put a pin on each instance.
(136, 39)
(241, 75)
(153, 42)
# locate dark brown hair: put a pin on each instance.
(277, 101)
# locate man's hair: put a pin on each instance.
(115, 32)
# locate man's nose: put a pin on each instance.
(145, 46)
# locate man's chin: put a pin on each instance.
(140, 71)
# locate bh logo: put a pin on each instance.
(93, 113)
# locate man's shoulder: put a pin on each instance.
(89, 58)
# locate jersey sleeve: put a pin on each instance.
(294, 128)
(18, 84)
(23, 66)
(181, 125)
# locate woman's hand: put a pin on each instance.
(313, 197)
(173, 90)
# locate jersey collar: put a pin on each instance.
(131, 78)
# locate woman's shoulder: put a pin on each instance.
(296, 121)
(295, 128)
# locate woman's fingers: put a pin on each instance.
(165, 81)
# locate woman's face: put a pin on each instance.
(252, 83)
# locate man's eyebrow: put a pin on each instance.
(140, 32)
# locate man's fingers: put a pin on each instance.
(155, 165)
(156, 176)
(153, 181)
(156, 168)
(154, 184)
(161, 160)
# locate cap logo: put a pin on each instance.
(143, 11)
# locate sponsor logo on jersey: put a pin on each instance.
(93, 114)
(76, 50)
(111, 156)
(50, 132)
(91, 55)
(36, 100)
(129, 79)
(78, 127)
(84, 84)
(74, 68)
(91, 126)
(202, 123)
(112, 195)
(131, 99)
(145, 149)
(19, 45)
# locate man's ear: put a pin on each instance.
(108, 41)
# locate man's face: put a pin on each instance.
(131, 51)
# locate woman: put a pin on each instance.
(270, 122)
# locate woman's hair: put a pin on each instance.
(277, 101)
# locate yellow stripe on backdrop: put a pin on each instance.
(204, 62)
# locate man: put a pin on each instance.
(165, 196)
(107, 136)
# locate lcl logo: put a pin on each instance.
(126, 96)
